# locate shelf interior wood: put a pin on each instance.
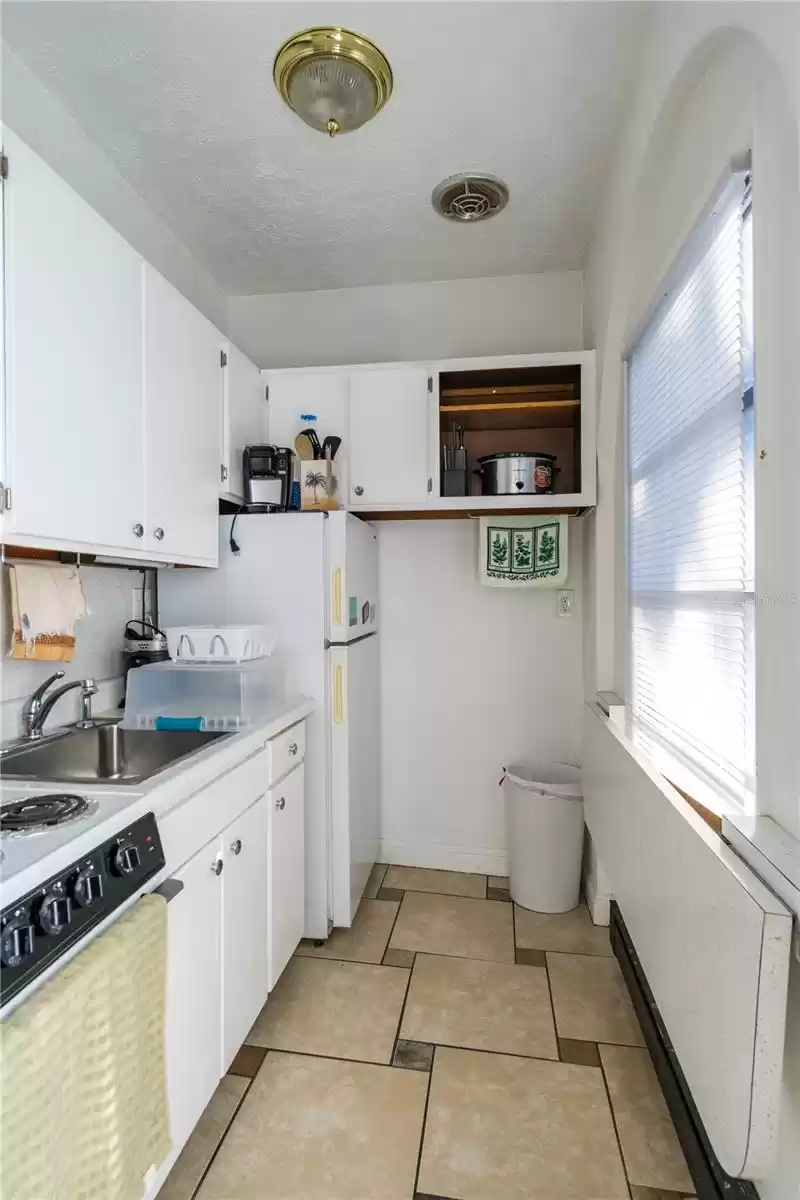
(530, 414)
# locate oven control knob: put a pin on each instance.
(55, 912)
(16, 941)
(127, 859)
(88, 887)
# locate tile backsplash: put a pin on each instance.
(113, 597)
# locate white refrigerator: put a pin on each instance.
(314, 577)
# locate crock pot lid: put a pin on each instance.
(516, 454)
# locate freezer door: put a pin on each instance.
(355, 771)
(353, 565)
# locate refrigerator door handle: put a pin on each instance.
(337, 595)
(338, 694)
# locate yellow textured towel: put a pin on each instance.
(84, 1102)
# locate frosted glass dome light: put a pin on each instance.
(335, 80)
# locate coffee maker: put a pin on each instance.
(149, 645)
(267, 474)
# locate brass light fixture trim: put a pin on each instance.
(326, 43)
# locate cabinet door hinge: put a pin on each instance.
(430, 383)
(5, 498)
(3, 166)
(223, 358)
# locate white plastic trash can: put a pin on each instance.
(544, 830)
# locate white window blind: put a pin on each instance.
(690, 448)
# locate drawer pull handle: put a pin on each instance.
(217, 866)
(280, 803)
(158, 534)
(236, 846)
(359, 491)
(138, 530)
(293, 749)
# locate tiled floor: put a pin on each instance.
(451, 1046)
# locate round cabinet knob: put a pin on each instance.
(280, 803)
(55, 912)
(158, 533)
(16, 941)
(359, 491)
(138, 530)
(236, 846)
(127, 859)
(217, 866)
(293, 749)
(88, 888)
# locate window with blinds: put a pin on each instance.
(690, 512)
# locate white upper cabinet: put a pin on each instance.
(243, 418)
(182, 396)
(310, 399)
(74, 365)
(388, 431)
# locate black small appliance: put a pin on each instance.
(267, 472)
(141, 646)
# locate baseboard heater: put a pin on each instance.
(710, 1180)
(712, 951)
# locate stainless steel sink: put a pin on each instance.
(103, 754)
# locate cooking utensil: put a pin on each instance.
(305, 446)
(311, 434)
(331, 443)
(516, 473)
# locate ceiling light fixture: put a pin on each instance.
(334, 79)
(470, 197)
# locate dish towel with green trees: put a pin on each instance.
(523, 551)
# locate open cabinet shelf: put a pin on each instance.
(525, 409)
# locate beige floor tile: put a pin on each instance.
(341, 1009)
(591, 1001)
(455, 925)
(480, 1005)
(501, 1128)
(375, 881)
(573, 932)
(498, 881)
(192, 1161)
(364, 941)
(650, 1146)
(312, 1129)
(448, 883)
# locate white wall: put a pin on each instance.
(473, 679)
(712, 77)
(453, 318)
(113, 596)
(45, 125)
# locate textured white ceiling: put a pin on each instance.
(179, 96)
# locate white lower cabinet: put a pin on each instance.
(244, 926)
(286, 879)
(194, 990)
(235, 912)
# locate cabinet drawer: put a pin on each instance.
(285, 751)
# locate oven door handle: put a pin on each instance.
(169, 889)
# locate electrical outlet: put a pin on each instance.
(565, 603)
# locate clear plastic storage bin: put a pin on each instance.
(211, 696)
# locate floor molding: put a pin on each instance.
(477, 861)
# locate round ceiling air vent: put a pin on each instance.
(470, 197)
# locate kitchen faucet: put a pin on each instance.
(37, 707)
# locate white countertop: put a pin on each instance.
(30, 860)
